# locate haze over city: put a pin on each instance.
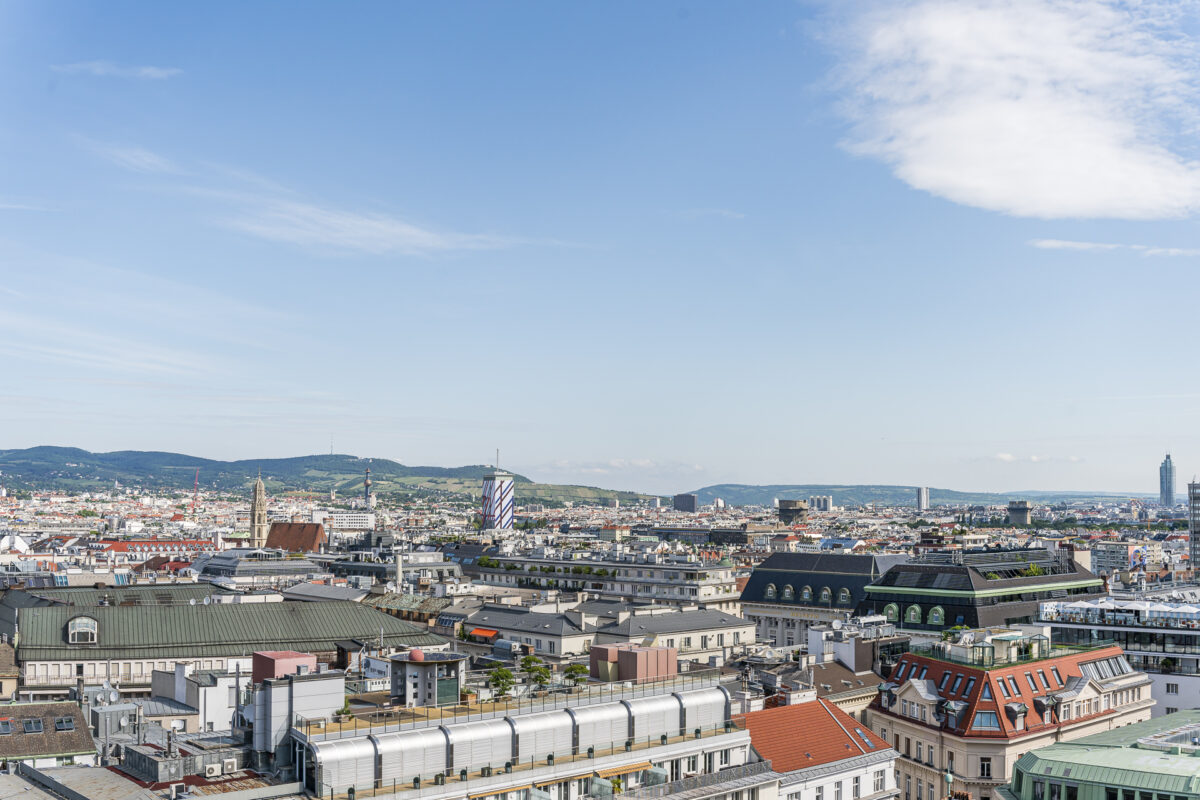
(639, 246)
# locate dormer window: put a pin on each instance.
(789, 593)
(82, 630)
(770, 591)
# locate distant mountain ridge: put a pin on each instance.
(740, 494)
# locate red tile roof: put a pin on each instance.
(829, 735)
(297, 537)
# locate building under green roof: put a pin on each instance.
(210, 631)
(1158, 759)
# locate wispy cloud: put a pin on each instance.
(308, 225)
(137, 159)
(1041, 108)
(1144, 249)
(107, 69)
(13, 206)
(1009, 458)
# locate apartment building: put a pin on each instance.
(635, 577)
(1109, 558)
(788, 592)
(836, 758)
(961, 713)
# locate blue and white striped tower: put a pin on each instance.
(498, 500)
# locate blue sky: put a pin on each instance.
(648, 246)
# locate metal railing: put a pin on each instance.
(943, 651)
(697, 781)
(404, 719)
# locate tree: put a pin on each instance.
(502, 681)
(540, 676)
(576, 673)
(529, 662)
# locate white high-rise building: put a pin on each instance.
(922, 498)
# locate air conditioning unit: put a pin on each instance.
(178, 790)
(229, 765)
(486, 772)
(212, 770)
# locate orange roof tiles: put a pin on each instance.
(829, 735)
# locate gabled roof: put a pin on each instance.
(49, 741)
(830, 735)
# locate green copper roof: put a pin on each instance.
(1113, 758)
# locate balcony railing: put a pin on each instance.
(697, 782)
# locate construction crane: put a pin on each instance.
(195, 492)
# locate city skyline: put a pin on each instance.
(693, 245)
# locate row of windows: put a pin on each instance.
(912, 614)
(34, 725)
(806, 594)
(925, 754)
(878, 784)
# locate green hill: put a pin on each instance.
(72, 469)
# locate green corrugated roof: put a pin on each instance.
(143, 593)
(186, 631)
(1113, 759)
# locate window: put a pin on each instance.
(950, 761)
(1171, 710)
(1012, 684)
(1042, 678)
(957, 682)
(1172, 688)
(924, 670)
(806, 594)
(1032, 686)
(820, 795)
(892, 612)
(827, 597)
(985, 763)
(843, 595)
(769, 592)
(789, 593)
(908, 787)
(986, 694)
(837, 791)
(5, 726)
(913, 614)
(878, 781)
(936, 616)
(986, 721)
(64, 724)
(944, 681)
(32, 725)
(970, 686)
(921, 790)
(1057, 677)
(81, 630)
(919, 758)
(1003, 688)
(857, 787)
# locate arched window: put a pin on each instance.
(937, 616)
(826, 594)
(770, 591)
(843, 595)
(892, 612)
(788, 592)
(81, 630)
(806, 594)
(913, 614)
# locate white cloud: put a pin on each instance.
(1144, 249)
(1041, 108)
(107, 69)
(699, 213)
(1005, 457)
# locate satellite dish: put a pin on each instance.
(122, 722)
(192, 602)
(114, 696)
(207, 600)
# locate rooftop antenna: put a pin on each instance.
(497, 458)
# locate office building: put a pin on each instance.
(498, 491)
(1161, 639)
(968, 709)
(922, 498)
(1109, 558)
(685, 502)
(1194, 524)
(1166, 482)
(1156, 758)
